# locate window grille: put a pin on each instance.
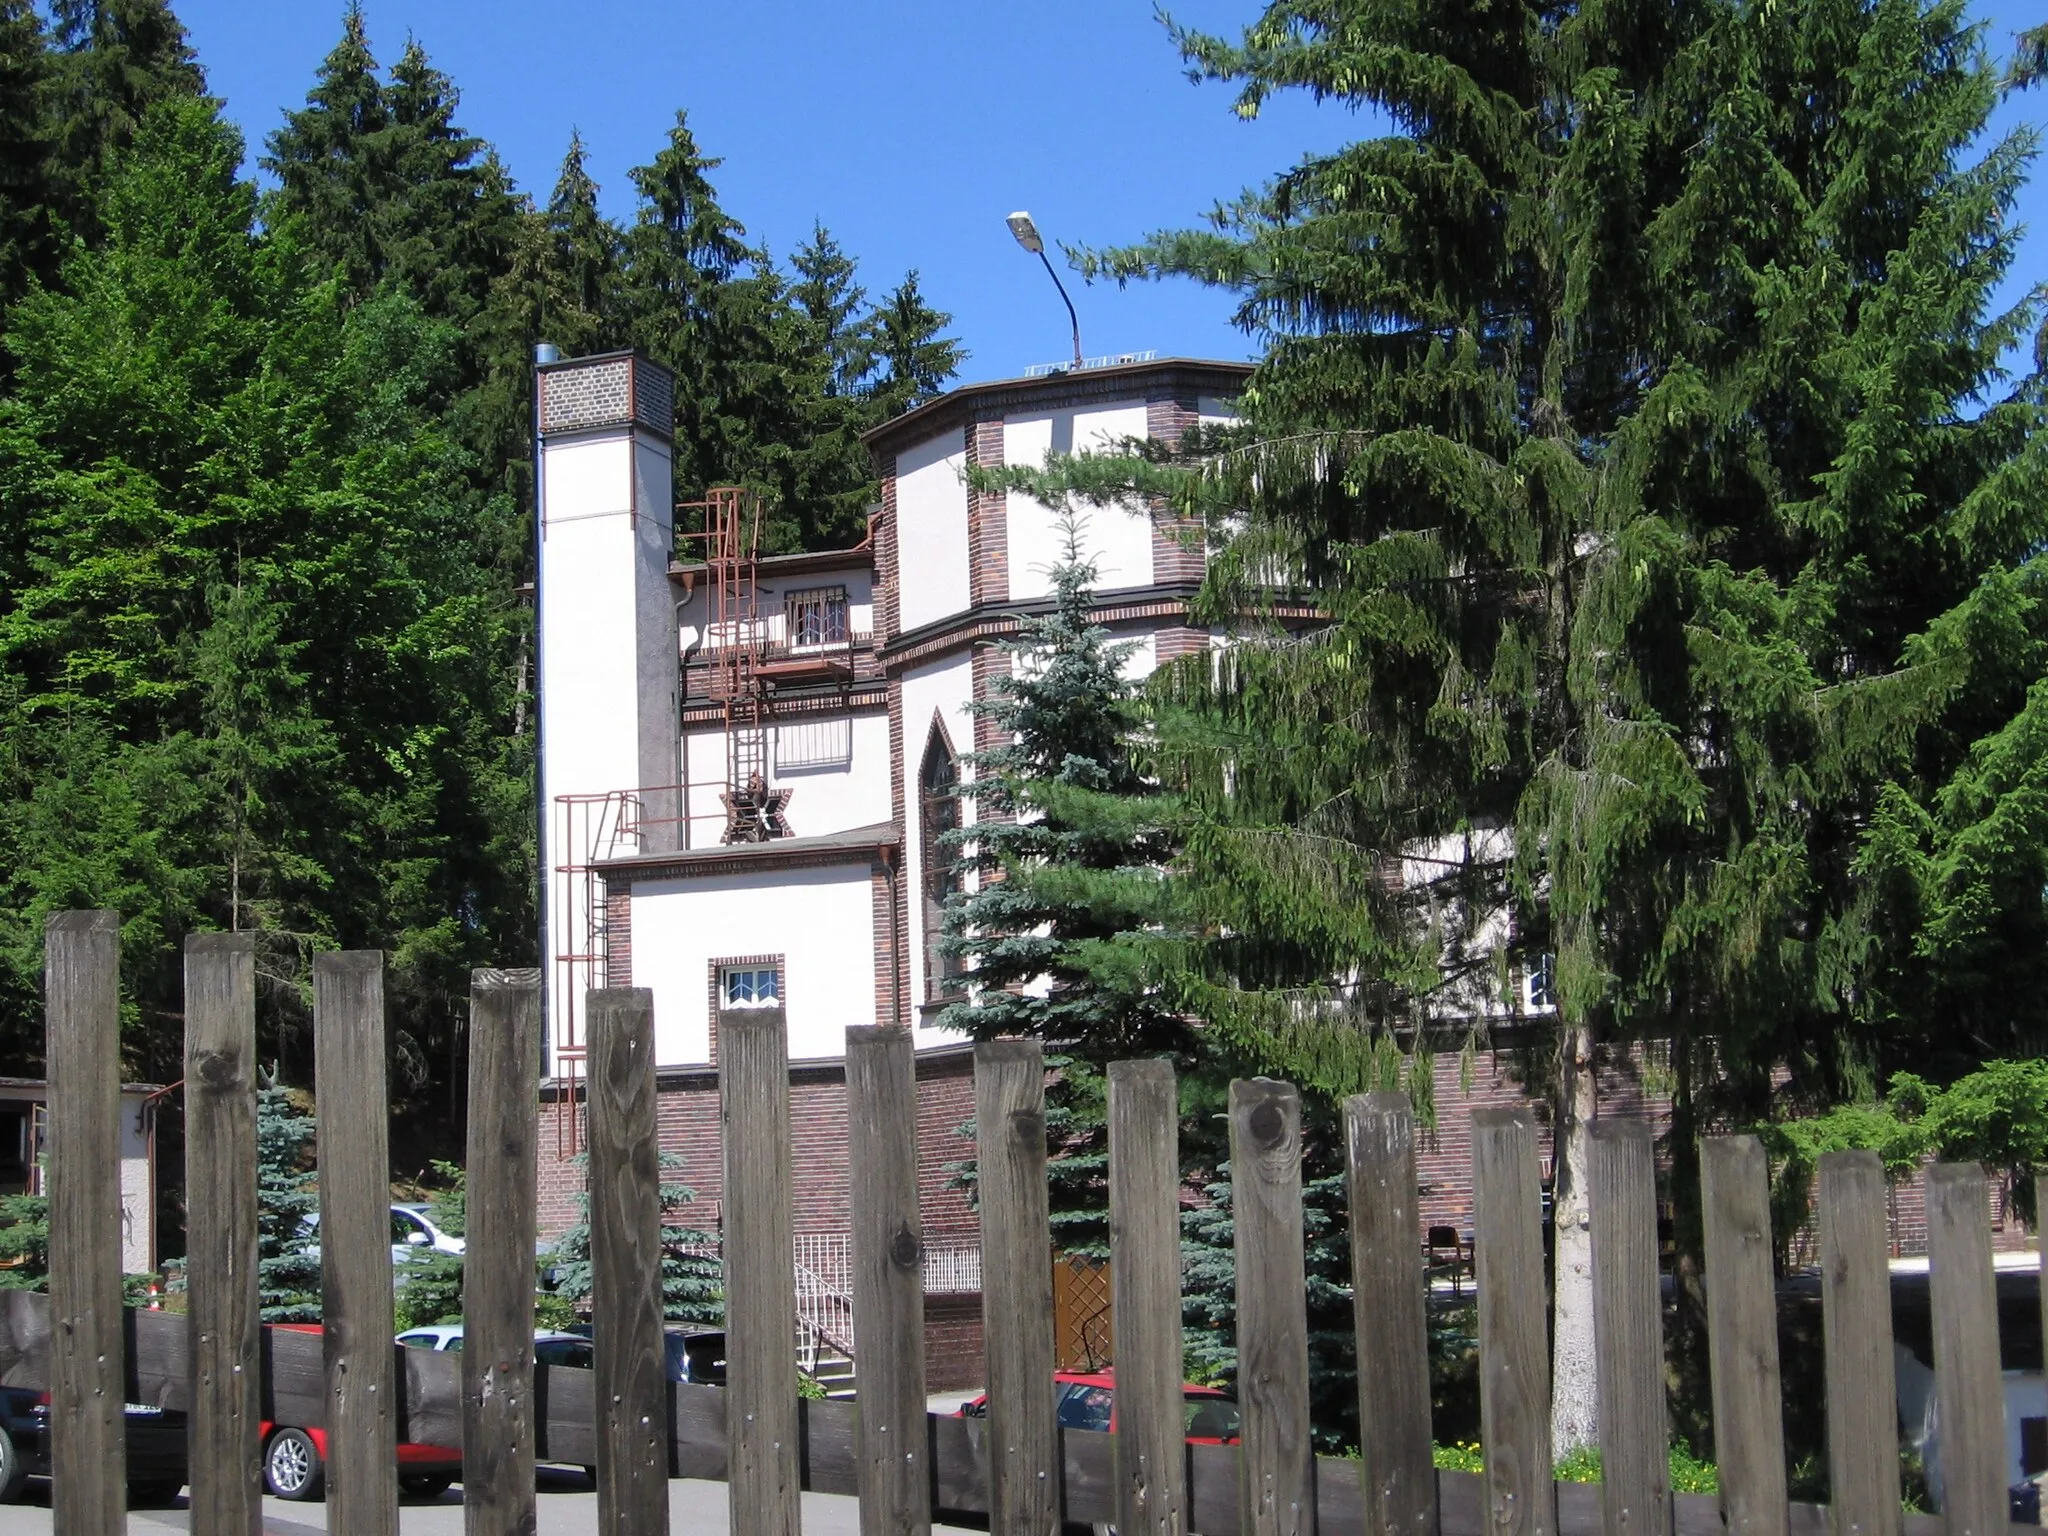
(750, 988)
(825, 743)
(816, 617)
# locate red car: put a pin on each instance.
(295, 1460)
(1087, 1400)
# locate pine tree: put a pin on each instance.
(1634, 412)
(828, 479)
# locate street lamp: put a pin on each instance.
(1028, 237)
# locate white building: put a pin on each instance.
(853, 672)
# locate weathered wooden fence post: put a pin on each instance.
(355, 1243)
(1742, 1336)
(760, 1273)
(1969, 1396)
(625, 1263)
(894, 1466)
(1396, 1471)
(497, 1269)
(224, 1336)
(1856, 1313)
(1144, 1268)
(1514, 1350)
(1016, 1279)
(1276, 1468)
(1628, 1327)
(82, 1045)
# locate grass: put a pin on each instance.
(1688, 1473)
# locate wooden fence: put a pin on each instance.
(227, 1373)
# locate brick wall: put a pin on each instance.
(1443, 1156)
(686, 1104)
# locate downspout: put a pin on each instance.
(543, 354)
(889, 866)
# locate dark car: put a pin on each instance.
(1087, 1400)
(694, 1357)
(156, 1447)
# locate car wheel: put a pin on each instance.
(154, 1492)
(13, 1471)
(292, 1467)
(426, 1485)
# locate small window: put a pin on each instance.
(750, 988)
(816, 617)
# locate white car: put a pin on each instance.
(549, 1348)
(413, 1235)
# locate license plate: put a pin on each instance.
(143, 1408)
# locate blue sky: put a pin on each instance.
(908, 127)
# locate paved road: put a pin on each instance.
(567, 1508)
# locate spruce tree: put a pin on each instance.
(287, 1198)
(703, 301)
(326, 158)
(583, 262)
(828, 477)
(1634, 411)
(1063, 889)
(27, 236)
(113, 61)
(917, 358)
(1068, 847)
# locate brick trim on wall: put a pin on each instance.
(899, 813)
(742, 963)
(1181, 377)
(887, 608)
(882, 882)
(988, 520)
(988, 664)
(1177, 552)
(618, 937)
(959, 631)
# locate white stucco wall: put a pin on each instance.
(693, 614)
(820, 920)
(931, 530)
(607, 659)
(833, 799)
(137, 1257)
(824, 798)
(1120, 541)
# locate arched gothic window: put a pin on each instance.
(938, 812)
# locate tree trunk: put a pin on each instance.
(1574, 1400)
